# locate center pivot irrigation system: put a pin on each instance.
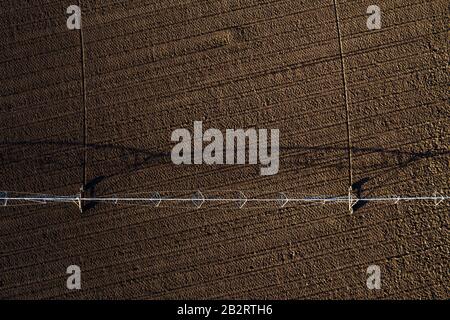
(238, 199)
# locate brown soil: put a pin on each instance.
(112, 95)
